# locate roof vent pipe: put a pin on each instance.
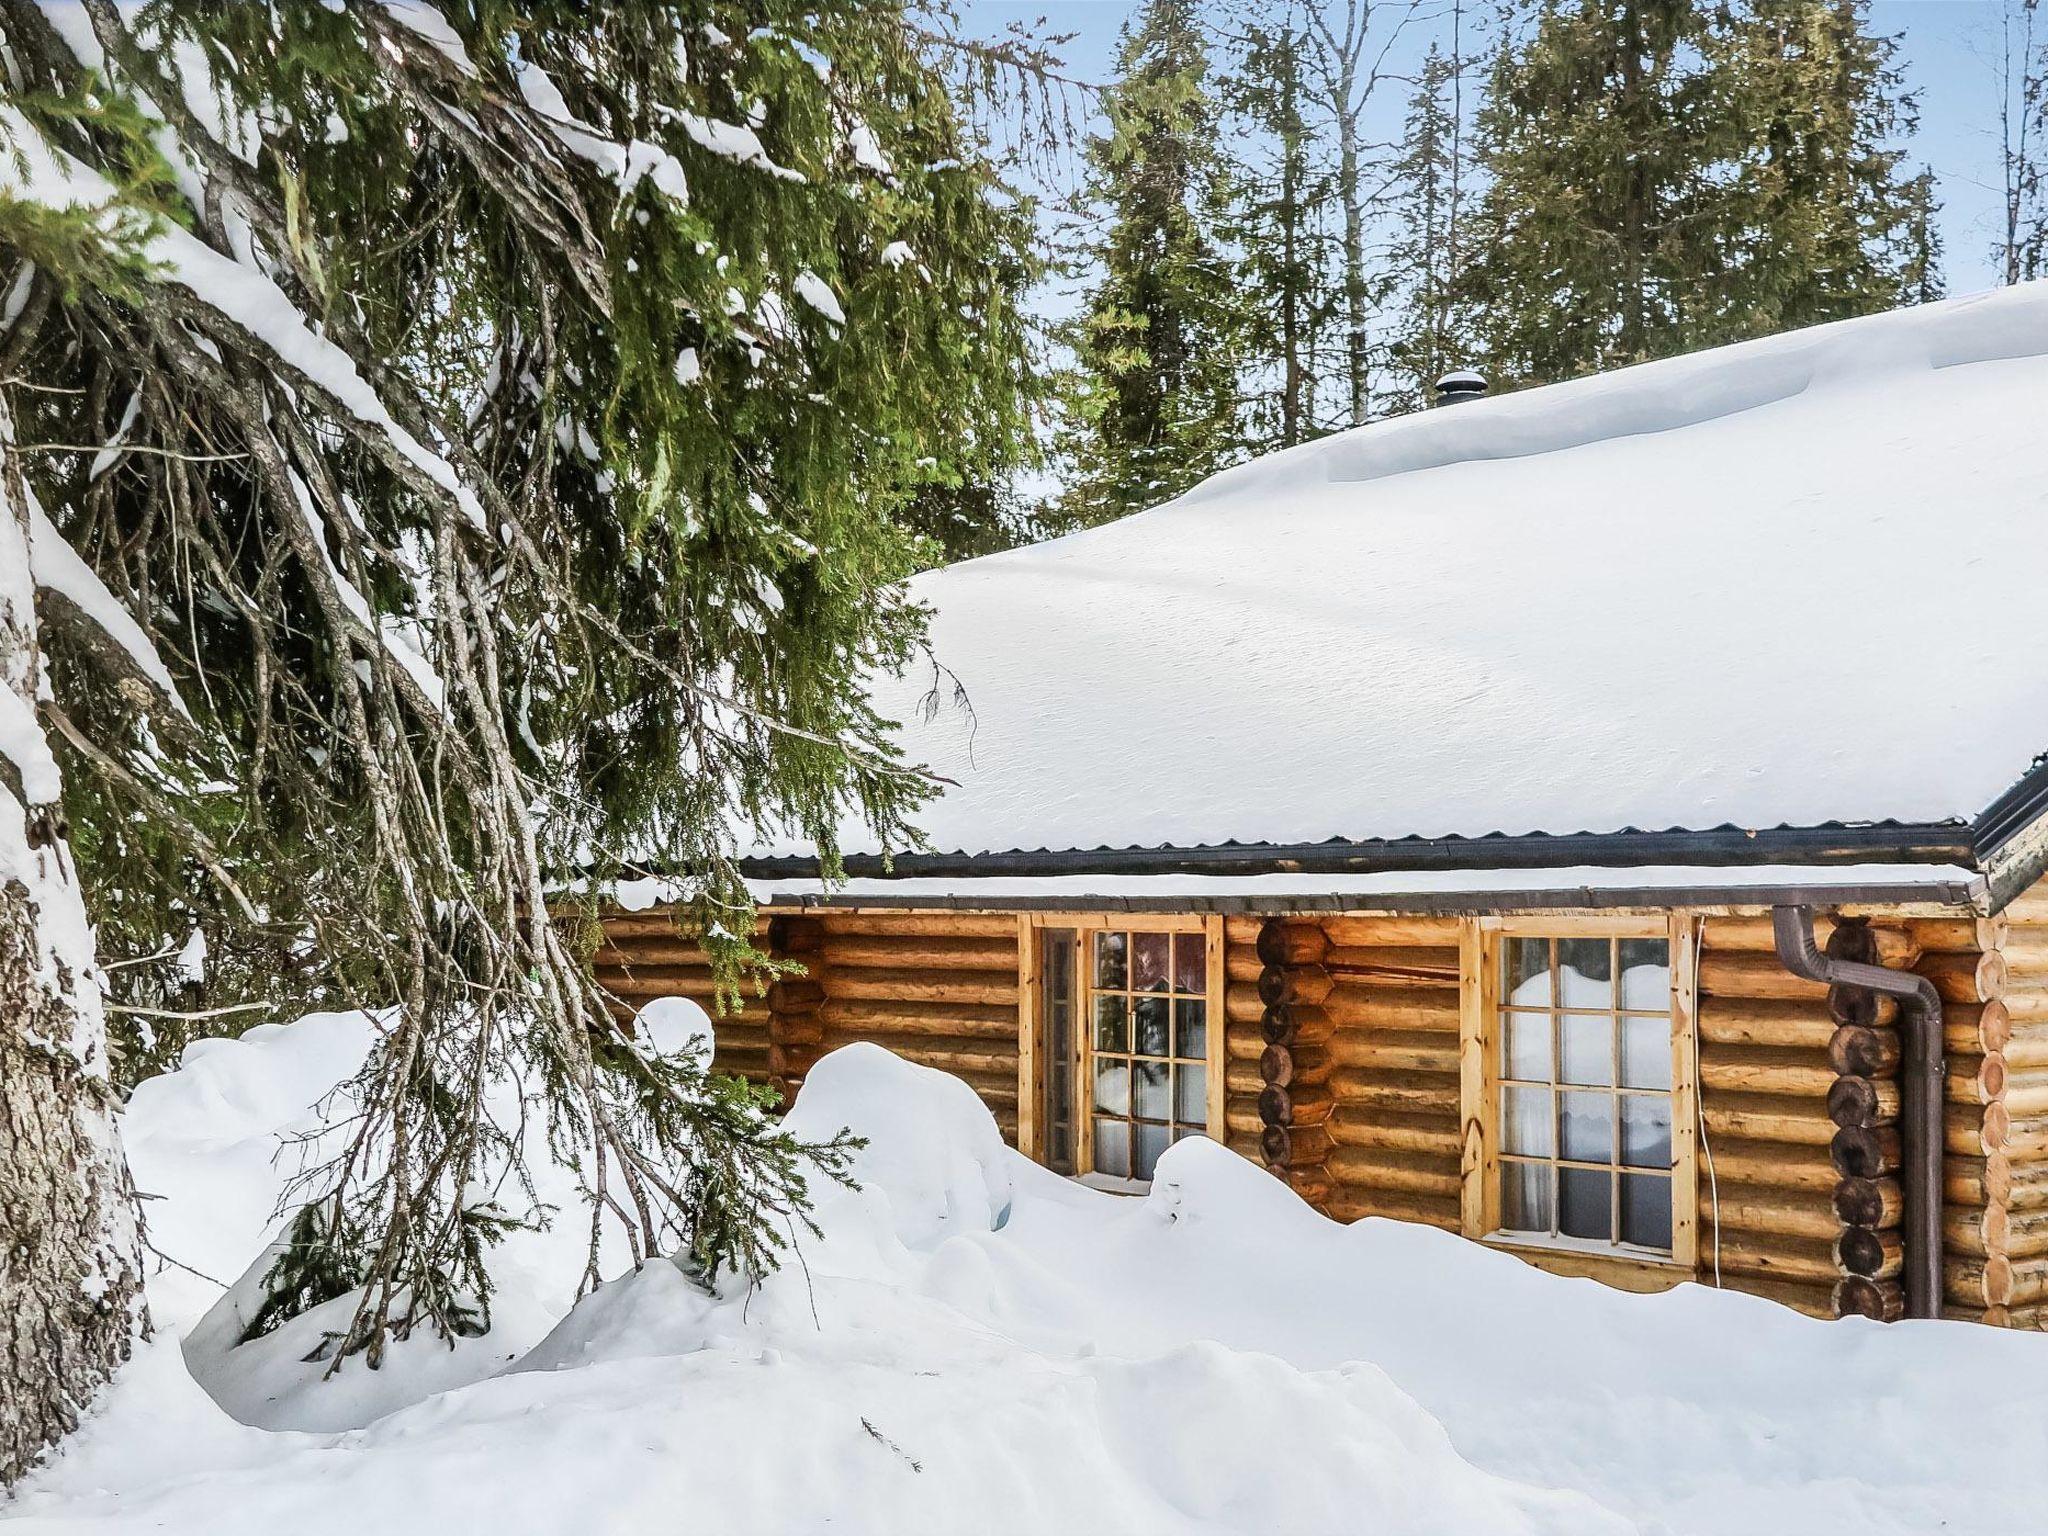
(1925, 1065)
(1459, 384)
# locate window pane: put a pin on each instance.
(1151, 961)
(1646, 1051)
(1525, 1197)
(1112, 1025)
(1525, 1121)
(1646, 974)
(1152, 1023)
(1585, 973)
(1528, 1047)
(1191, 963)
(1191, 1095)
(1645, 1130)
(1585, 1204)
(1109, 961)
(1191, 1029)
(1153, 1100)
(1587, 1044)
(1113, 1087)
(1525, 980)
(1152, 1140)
(1646, 1210)
(1586, 1126)
(1113, 1147)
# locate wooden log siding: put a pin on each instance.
(1294, 1057)
(643, 956)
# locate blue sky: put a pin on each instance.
(1949, 47)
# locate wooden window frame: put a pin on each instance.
(1479, 1091)
(1030, 1070)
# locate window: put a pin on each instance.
(1127, 1042)
(1578, 1081)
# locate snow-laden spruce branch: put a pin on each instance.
(375, 313)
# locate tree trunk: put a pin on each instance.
(71, 1302)
(1349, 193)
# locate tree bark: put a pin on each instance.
(71, 1303)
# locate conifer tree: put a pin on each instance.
(1588, 250)
(1820, 220)
(1155, 393)
(1427, 253)
(1279, 223)
(458, 452)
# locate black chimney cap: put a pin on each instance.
(1459, 384)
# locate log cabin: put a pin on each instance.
(1607, 821)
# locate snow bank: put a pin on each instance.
(1569, 609)
(977, 1345)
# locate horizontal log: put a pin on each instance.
(1855, 1051)
(796, 994)
(1355, 1203)
(1354, 1006)
(1435, 969)
(1309, 1104)
(1866, 1152)
(2027, 1188)
(1815, 1298)
(1872, 1254)
(1934, 934)
(1966, 978)
(1361, 932)
(1741, 974)
(790, 1061)
(1311, 1184)
(1354, 1125)
(1754, 1209)
(1792, 1074)
(920, 952)
(1291, 1066)
(1890, 945)
(871, 1018)
(1857, 1103)
(1869, 1202)
(1882, 1301)
(2026, 1093)
(1978, 1079)
(958, 925)
(1242, 1003)
(660, 950)
(1395, 1051)
(1291, 1022)
(1242, 1045)
(797, 1029)
(2026, 1234)
(970, 1064)
(1242, 1079)
(986, 988)
(2029, 1281)
(1426, 1091)
(1245, 1145)
(1304, 985)
(1761, 1117)
(1979, 1232)
(1974, 1280)
(1294, 1146)
(1413, 1172)
(1981, 1027)
(1977, 1181)
(1973, 1130)
(1241, 931)
(1242, 1118)
(1774, 1165)
(1743, 1021)
(1772, 1257)
(1292, 941)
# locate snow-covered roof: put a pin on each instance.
(1795, 582)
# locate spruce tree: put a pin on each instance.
(1154, 405)
(465, 452)
(1279, 222)
(1820, 219)
(1427, 253)
(1592, 138)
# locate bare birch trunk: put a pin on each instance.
(71, 1301)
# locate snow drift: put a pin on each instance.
(978, 1345)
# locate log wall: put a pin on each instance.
(937, 988)
(1341, 1073)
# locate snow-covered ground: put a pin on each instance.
(977, 1345)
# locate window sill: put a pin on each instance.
(1624, 1269)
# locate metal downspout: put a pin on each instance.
(1920, 1092)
